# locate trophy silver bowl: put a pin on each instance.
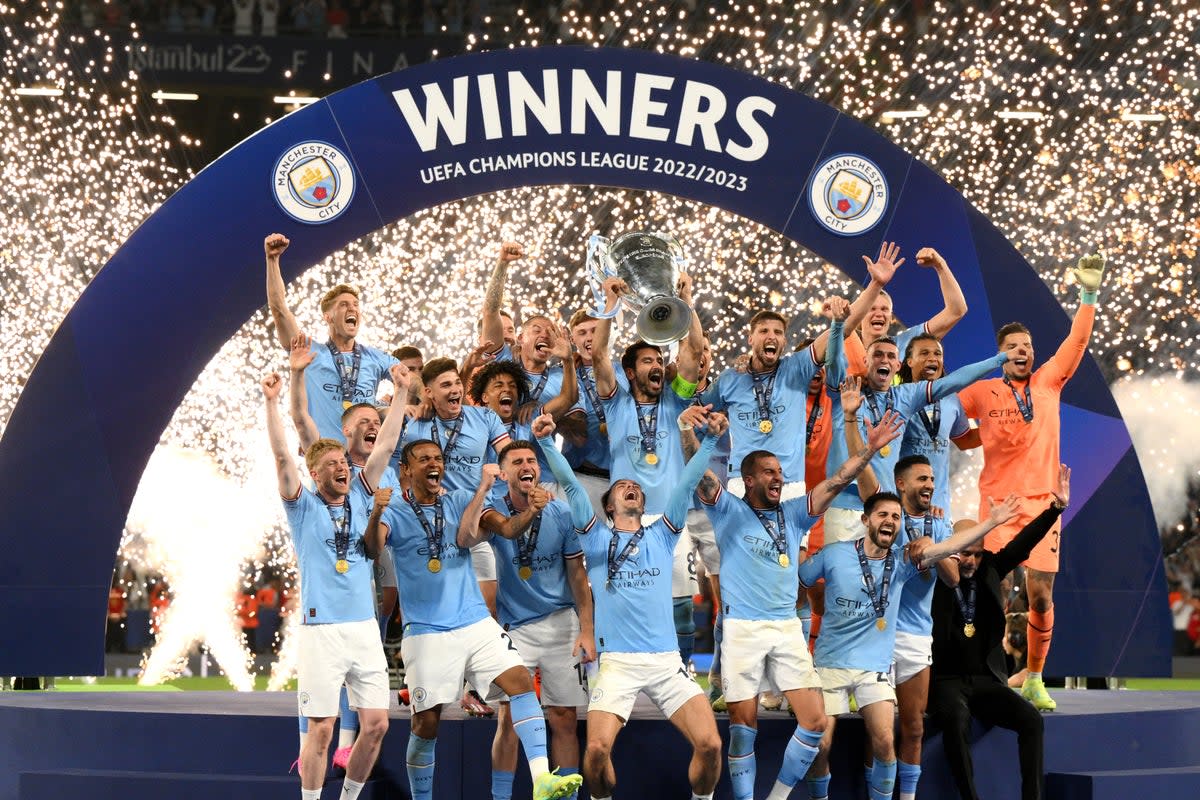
(649, 265)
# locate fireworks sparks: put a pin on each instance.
(1103, 154)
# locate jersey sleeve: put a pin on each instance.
(959, 424)
(570, 545)
(812, 569)
(675, 514)
(712, 395)
(835, 357)
(1062, 365)
(797, 369)
(799, 512)
(497, 433)
(962, 377)
(718, 514)
(582, 515)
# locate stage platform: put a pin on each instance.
(1100, 745)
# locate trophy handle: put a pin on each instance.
(599, 267)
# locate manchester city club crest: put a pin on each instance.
(848, 194)
(313, 182)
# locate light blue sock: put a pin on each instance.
(882, 780)
(530, 725)
(798, 756)
(685, 627)
(910, 776)
(420, 761)
(570, 771)
(347, 715)
(303, 723)
(501, 785)
(818, 788)
(742, 764)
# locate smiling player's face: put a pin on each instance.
(1020, 367)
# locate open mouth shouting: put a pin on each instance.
(454, 401)
(930, 370)
(774, 491)
(883, 375)
(630, 495)
(542, 348)
(877, 324)
(655, 378)
(342, 481)
(527, 479)
(433, 477)
(506, 403)
(925, 497)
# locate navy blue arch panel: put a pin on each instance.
(191, 275)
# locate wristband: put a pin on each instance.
(683, 426)
(683, 387)
(1089, 296)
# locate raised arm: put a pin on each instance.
(963, 377)
(285, 465)
(390, 431)
(492, 329)
(881, 271)
(681, 494)
(602, 363)
(582, 513)
(562, 403)
(694, 417)
(375, 536)
(890, 426)
(954, 302)
(691, 349)
(835, 356)
(585, 644)
(1065, 361)
(469, 532)
(286, 328)
(851, 391)
(924, 553)
(299, 357)
(837, 309)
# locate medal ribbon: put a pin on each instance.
(763, 388)
(525, 544)
(347, 377)
(870, 398)
(1024, 406)
(434, 533)
(587, 380)
(778, 524)
(615, 562)
(932, 423)
(536, 394)
(879, 603)
(912, 532)
(452, 432)
(966, 605)
(648, 427)
(812, 418)
(341, 529)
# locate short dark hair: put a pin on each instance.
(883, 340)
(905, 372)
(407, 351)
(765, 315)
(346, 414)
(516, 444)
(1012, 327)
(436, 367)
(904, 464)
(579, 317)
(608, 493)
(482, 377)
(880, 497)
(630, 356)
(751, 459)
(406, 453)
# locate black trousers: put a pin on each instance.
(954, 701)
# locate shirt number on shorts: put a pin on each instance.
(508, 641)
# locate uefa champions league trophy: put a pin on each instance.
(649, 264)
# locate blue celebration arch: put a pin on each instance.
(191, 275)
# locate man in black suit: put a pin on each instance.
(969, 677)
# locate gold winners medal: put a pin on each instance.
(765, 425)
(885, 451)
(881, 623)
(525, 572)
(434, 565)
(346, 404)
(969, 630)
(652, 458)
(604, 429)
(784, 561)
(342, 566)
